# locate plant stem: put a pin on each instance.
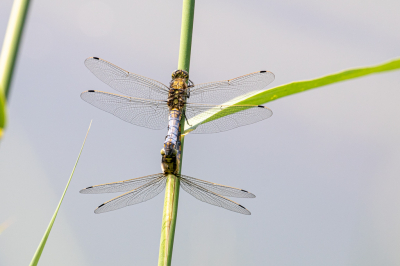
(173, 183)
(186, 35)
(9, 52)
(168, 223)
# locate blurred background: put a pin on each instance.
(325, 167)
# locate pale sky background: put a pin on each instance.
(325, 167)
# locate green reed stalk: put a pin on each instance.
(173, 183)
(9, 53)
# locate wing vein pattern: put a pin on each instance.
(121, 186)
(147, 113)
(206, 118)
(220, 189)
(126, 82)
(147, 106)
(212, 198)
(222, 91)
(138, 195)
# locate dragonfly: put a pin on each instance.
(206, 108)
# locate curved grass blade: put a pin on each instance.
(40, 248)
(296, 87)
(300, 86)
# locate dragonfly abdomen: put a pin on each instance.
(173, 131)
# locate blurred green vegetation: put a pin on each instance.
(9, 54)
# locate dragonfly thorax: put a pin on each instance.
(177, 93)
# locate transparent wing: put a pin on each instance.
(128, 83)
(222, 91)
(138, 195)
(212, 198)
(203, 118)
(121, 186)
(219, 189)
(141, 112)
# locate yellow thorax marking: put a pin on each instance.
(176, 93)
(178, 83)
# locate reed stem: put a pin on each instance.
(173, 183)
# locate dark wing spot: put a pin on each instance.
(261, 106)
(101, 205)
(242, 206)
(245, 190)
(96, 58)
(263, 71)
(89, 187)
(90, 90)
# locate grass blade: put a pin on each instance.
(9, 53)
(300, 86)
(3, 114)
(42, 244)
(296, 87)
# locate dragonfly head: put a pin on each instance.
(180, 74)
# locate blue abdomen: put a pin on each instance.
(173, 131)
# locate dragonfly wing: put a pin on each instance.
(141, 112)
(204, 118)
(138, 195)
(222, 91)
(212, 198)
(126, 82)
(219, 189)
(120, 186)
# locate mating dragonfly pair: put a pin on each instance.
(206, 108)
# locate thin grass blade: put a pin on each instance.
(42, 244)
